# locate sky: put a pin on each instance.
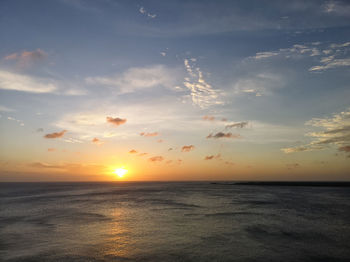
(174, 90)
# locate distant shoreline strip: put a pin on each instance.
(280, 183)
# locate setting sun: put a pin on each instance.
(120, 172)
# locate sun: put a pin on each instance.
(120, 172)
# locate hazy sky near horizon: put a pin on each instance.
(174, 90)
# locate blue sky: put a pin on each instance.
(273, 74)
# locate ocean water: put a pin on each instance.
(173, 222)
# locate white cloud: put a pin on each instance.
(20, 122)
(336, 55)
(258, 85)
(202, 93)
(296, 50)
(335, 131)
(330, 62)
(72, 140)
(5, 109)
(340, 45)
(143, 11)
(26, 83)
(19, 82)
(138, 78)
(337, 8)
(261, 55)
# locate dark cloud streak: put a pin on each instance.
(115, 121)
(56, 134)
(223, 135)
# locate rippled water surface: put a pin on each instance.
(172, 222)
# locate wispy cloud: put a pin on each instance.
(331, 63)
(115, 121)
(156, 159)
(335, 131)
(218, 156)
(297, 50)
(237, 125)
(337, 8)
(214, 119)
(51, 149)
(72, 140)
(97, 141)
(261, 55)
(331, 56)
(292, 166)
(5, 109)
(139, 78)
(56, 134)
(19, 82)
(143, 11)
(149, 134)
(229, 163)
(258, 84)
(46, 165)
(187, 148)
(20, 122)
(86, 125)
(223, 135)
(72, 167)
(142, 154)
(202, 93)
(132, 151)
(209, 118)
(27, 58)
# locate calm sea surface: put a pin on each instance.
(173, 222)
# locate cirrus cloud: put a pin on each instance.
(139, 78)
(335, 131)
(24, 83)
(202, 93)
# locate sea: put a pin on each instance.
(173, 221)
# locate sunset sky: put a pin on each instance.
(174, 90)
